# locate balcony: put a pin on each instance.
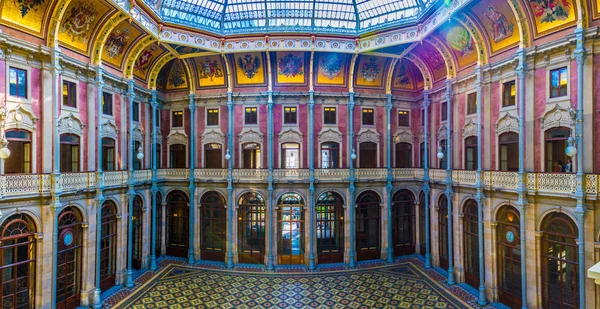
(549, 184)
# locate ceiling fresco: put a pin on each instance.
(370, 71)
(432, 57)
(29, 16)
(552, 15)
(142, 65)
(331, 69)
(249, 68)
(80, 23)
(173, 76)
(291, 67)
(405, 76)
(499, 23)
(210, 71)
(460, 42)
(119, 41)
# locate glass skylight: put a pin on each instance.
(227, 17)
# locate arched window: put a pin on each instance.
(509, 151)
(108, 246)
(368, 226)
(251, 155)
(422, 243)
(443, 162)
(330, 155)
(443, 231)
(330, 228)
(108, 154)
(19, 144)
(508, 242)
(213, 156)
(290, 231)
(159, 226)
(178, 224)
(251, 229)
(471, 243)
(177, 156)
(69, 258)
(213, 226)
(290, 155)
(560, 265)
(471, 153)
(69, 153)
(137, 229)
(17, 262)
(403, 155)
(403, 223)
(556, 143)
(367, 155)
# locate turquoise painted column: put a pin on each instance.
(56, 188)
(99, 184)
(230, 208)
(131, 189)
(580, 208)
(351, 187)
(272, 221)
(449, 192)
(481, 300)
(389, 187)
(521, 202)
(311, 178)
(192, 186)
(426, 186)
(154, 189)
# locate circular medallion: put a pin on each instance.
(68, 238)
(510, 236)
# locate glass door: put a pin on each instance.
(290, 229)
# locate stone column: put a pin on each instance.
(479, 186)
(311, 180)
(192, 107)
(131, 189)
(351, 187)
(99, 182)
(231, 206)
(270, 218)
(426, 187)
(154, 179)
(389, 186)
(449, 192)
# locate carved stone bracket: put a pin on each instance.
(137, 133)
(21, 118)
(403, 136)
(177, 138)
(109, 129)
(290, 135)
(330, 135)
(556, 117)
(368, 135)
(70, 124)
(213, 137)
(442, 132)
(507, 123)
(250, 136)
(469, 129)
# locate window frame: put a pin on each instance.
(136, 112)
(295, 113)
(79, 154)
(27, 96)
(514, 103)
(362, 116)
(105, 156)
(105, 95)
(209, 110)
(325, 122)
(566, 87)
(257, 117)
(443, 114)
(172, 119)
(407, 118)
(23, 160)
(468, 110)
(75, 96)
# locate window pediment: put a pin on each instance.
(70, 124)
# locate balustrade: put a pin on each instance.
(502, 180)
(406, 173)
(210, 174)
(21, 184)
(77, 181)
(437, 175)
(371, 174)
(177, 174)
(332, 174)
(464, 178)
(250, 175)
(553, 183)
(142, 176)
(284, 175)
(115, 178)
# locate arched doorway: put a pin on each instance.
(403, 155)
(69, 255)
(137, 224)
(443, 231)
(159, 226)
(290, 229)
(509, 257)
(251, 228)
(17, 262)
(471, 243)
(422, 243)
(213, 226)
(178, 224)
(560, 266)
(403, 223)
(368, 229)
(108, 246)
(330, 228)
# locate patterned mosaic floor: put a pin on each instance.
(404, 284)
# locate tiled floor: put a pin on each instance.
(403, 284)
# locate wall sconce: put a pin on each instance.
(440, 154)
(140, 154)
(353, 155)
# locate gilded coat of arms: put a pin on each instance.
(78, 21)
(549, 11)
(370, 70)
(143, 61)
(331, 65)
(115, 45)
(177, 75)
(210, 69)
(249, 65)
(28, 5)
(290, 66)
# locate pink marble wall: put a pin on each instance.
(83, 116)
(539, 108)
(318, 126)
(36, 107)
(461, 100)
(262, 124)
(119, 103)
(342, 115)
(494, 105)
(277, 125)
(596, 120)
(415, 124)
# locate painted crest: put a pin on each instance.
(290, 66)
(28, 5)
(501, 27)
(115, 45)
(370, 70)
(460, 40)
(210, 69)
(331, 65)
(143, 62)
(402, 76)
(177, 75)
(78, 21)
(249, 65)
(433, 58)
(548, 11)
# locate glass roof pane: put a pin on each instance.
(259, 16)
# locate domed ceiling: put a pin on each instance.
(349, 17)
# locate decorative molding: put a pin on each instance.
(21, 118)
(250, 136)
(557, 117)
(404, 136)
(109, 129)
(213, 137)
(367, 135)
(291, 135)
(177, 137)
(507, 123)
(330, 135)
(137, 133)
(70, 124)
(469, 129)
(442, 132)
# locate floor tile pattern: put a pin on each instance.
(403, 284)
